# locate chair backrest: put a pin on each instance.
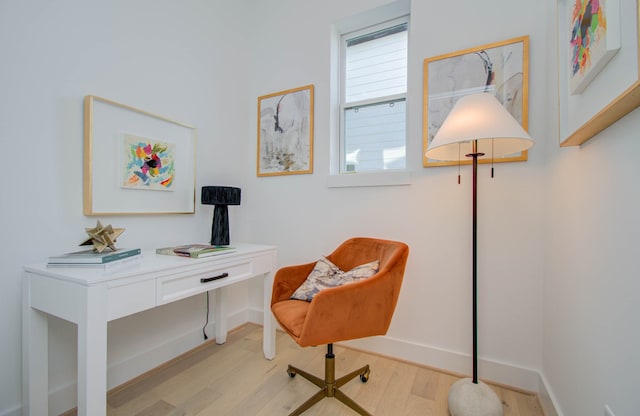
(360, 309)
(361, 250)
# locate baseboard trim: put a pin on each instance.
(547, 399)
(525, 379)
(14, 411)
(520, 378)
(451, 361)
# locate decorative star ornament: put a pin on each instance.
(102, 237)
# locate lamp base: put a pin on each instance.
(467, 398)
(220, 226)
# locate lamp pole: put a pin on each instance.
(475, 154)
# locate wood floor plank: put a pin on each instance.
(425, 384)
(419, 406)
(160, 408)
(372, 392)
(215, 369)
(441, 405)
(528, 404)
(395, 396)
(194, 404)
(246, 376)
(508, 400)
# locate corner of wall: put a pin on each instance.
(547, 399)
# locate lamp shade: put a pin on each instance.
(220, 195)
(481, 118)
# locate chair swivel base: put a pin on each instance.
(330, 387)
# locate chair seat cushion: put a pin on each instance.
(325, 274)
(291, 314)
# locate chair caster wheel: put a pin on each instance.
(291, 372)
(364, 377)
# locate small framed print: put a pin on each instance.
(285, 132)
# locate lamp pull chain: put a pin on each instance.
(458, 163)
(492, 158)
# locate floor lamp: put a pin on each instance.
(478, 127)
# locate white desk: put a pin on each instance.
(90, 298)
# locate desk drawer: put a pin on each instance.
(189, 283)
(123, 300)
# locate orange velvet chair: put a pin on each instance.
(356, 310)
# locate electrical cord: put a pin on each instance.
(204, 332)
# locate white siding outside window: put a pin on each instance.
(375, 136)
(373, 105)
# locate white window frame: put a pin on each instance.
(339, 177)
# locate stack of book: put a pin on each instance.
(90, 258)
(195, 250)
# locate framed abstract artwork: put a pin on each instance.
(500, 68)
(594, 38)
(285, 132)
(136, 162)
(598, 65)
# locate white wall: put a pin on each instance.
(175, 59)
(557, 233)
(305, 218)
(591, 338)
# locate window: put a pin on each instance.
(373, 82)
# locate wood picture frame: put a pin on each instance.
(614, 91)
(501, 68)
(285, 132)
(136, 162)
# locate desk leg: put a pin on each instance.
(268, 324)
(221, 316)
(92, 355)
(35, 358)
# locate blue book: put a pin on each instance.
(93, 257)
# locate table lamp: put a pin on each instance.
(478, 127)
(221, 197)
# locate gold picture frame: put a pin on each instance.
(126, 151)
(614, 92)
(285, 132)
(501, 68)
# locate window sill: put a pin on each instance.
(386, 178)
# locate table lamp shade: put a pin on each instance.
(481, 118)
(220, 195)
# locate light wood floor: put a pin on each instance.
(235, 379)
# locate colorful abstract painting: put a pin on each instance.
(148, 164)
(594, 39)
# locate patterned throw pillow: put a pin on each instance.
(325, 274)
